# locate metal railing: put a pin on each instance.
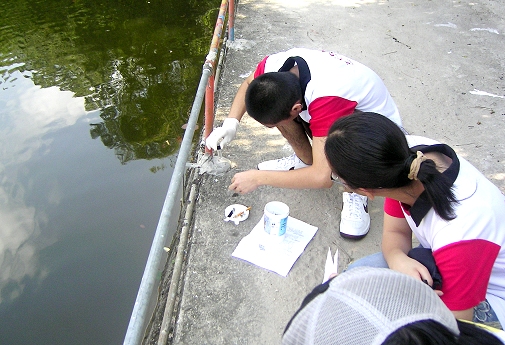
(205, 89)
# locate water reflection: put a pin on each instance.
(29, 112)
(37, 112)
(93, 95)
(139, 62)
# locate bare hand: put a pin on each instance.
(244, 182)
(412, 268)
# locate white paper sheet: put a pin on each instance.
(275, 257)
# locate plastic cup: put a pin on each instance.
(275, 220)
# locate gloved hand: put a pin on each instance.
(225, 134)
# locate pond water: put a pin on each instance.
(93, 98)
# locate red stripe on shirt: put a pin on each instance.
(393, 208)
(324, 111)
(465, 267)
(260, 69)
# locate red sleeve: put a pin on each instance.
(393, 208)
(465, 267)
(326, 110)
(260, 69)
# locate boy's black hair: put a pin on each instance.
(271, 96)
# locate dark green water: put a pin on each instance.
(93, 95)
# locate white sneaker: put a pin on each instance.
(354, 219)
(283, 164)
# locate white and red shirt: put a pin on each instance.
(333, 86)
(469, 250)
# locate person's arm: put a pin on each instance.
(318, 175)
(224, 134)
(238, 108)
(396, 243)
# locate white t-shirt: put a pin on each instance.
(469, 250)
(334, 86)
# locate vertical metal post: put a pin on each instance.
(209, 109)
(231, 21)
(211, 61)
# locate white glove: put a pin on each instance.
(225, 134)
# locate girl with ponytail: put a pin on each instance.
(457, 215)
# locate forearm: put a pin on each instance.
(396, 243)
(305, 178)
(247, 181)
(238, 107)
(316, 176)
(396, 240)
(395, 249)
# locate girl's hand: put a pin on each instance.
(413, 268)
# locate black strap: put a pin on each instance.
(303, 72)
(425, 256)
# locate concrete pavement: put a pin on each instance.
(442, 61)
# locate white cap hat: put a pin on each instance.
(363, 306)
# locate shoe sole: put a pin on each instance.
(353, 237)
(292, 168)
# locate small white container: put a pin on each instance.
(275, 219)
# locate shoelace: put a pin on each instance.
(355, 207)
(286, 161)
